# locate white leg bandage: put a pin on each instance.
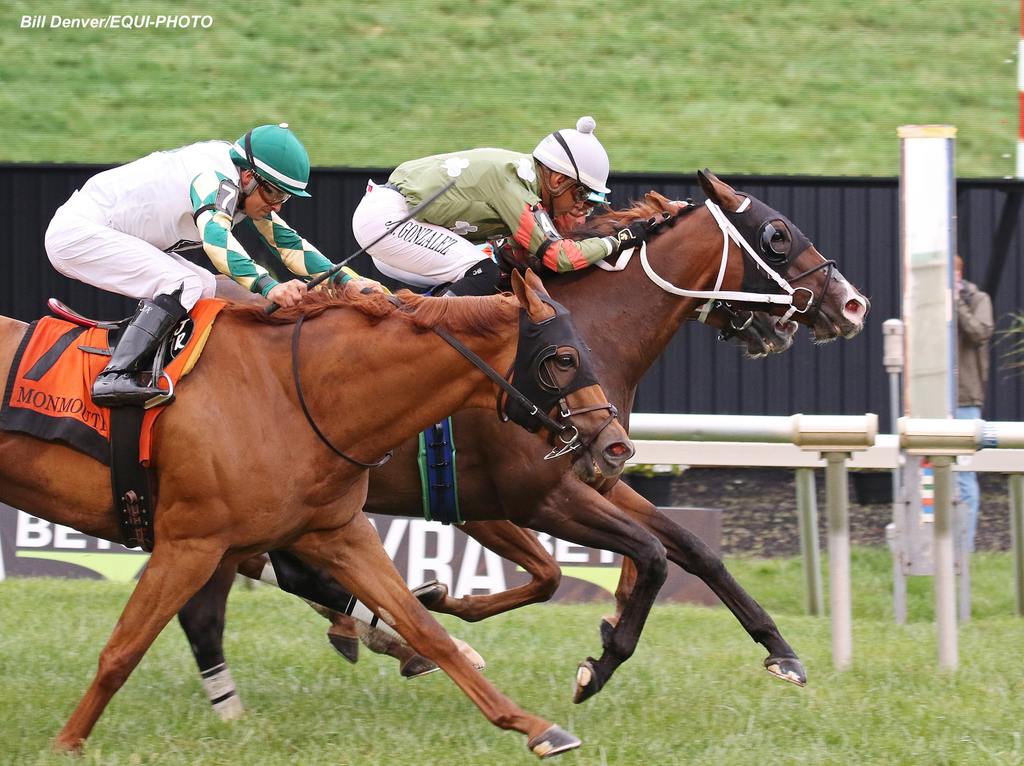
(220, 688)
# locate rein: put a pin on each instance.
(569, 445)
(305, 409)
(567, 434)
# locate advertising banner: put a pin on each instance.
(422, 550)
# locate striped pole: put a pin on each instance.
(1020, 96)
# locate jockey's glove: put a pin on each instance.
(629, 237)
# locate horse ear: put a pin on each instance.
(705, 176)
(719, 191)
(534, 281)
(519, 288)
(526, 294)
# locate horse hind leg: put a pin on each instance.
(353, 554)
(202, 620)
(350, 621)
(174, 572)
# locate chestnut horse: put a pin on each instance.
(634, 318)
(241, 471)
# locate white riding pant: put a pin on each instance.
(81, 246)
(417, 253)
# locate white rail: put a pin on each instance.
(806, 442)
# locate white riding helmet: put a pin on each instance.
(577, 154)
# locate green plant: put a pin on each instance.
(1011, 343)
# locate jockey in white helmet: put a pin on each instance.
(496, 193)
(579, 158)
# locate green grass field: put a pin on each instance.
(812, 87)
(693, 693)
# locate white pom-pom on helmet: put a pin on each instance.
(579, 155)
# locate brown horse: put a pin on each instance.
(634, 318)
(234, 490)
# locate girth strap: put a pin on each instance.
(129, 480)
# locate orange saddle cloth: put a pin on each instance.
(48, 392)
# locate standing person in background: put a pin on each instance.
(974, 327)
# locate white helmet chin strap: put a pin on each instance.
(717, 293)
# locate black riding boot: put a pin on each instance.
(480, 279)
(117, 386)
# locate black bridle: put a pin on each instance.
(538, 346)
(536, 392)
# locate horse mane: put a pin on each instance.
(469, 315)
(607, 223)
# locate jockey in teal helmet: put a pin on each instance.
(124, 230)
(277, 158)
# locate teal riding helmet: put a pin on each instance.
(276, 155)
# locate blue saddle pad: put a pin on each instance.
(437, 474)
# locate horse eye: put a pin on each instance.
(565, 361)
(774, 241)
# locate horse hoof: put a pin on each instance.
(417, 666)
(586, 681)
(471, 654)
(788, 669)
(431, 593)
(346, 646)
(67, 746)
(552, 742)
(230, 709)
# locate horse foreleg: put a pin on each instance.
(353, 554)
(575, 512)
(202, 619)
(692, 554)
(174, 572)
(518, 545)
(623, 592)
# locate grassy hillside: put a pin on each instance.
(788, 86)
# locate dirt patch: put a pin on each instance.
(759, 515)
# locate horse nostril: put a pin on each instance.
(854, 307)
(619, 451)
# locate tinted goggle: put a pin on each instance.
(581, 193)
(271, 193)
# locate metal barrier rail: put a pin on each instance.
(836, 443)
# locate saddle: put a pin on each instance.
(48, 396)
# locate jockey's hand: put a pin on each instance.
(629, 237)
(347, 275)
(365, 284)
(287, 294)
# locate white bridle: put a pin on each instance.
(728, 232)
